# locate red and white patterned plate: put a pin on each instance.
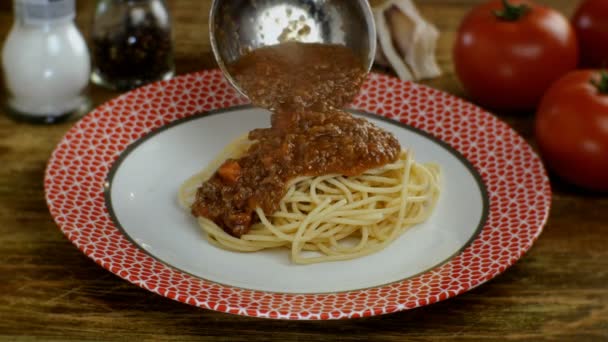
(110, 186)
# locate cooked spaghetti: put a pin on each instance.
(319, 181)
(331, 217)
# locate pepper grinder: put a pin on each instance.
(46, 62)
(131, 43)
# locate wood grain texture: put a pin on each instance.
(50, 291)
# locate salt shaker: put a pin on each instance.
(46, 62)
(131, 43)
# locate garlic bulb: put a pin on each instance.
(406, 41)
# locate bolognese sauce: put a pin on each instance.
(304, 85)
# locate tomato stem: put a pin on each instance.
(512, 12)
(602, 84)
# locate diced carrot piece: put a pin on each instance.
(200, 210)
(230, 171)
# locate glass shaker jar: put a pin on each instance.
(131, 43)
(46, 62)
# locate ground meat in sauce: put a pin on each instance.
(302, 84)
(296, 76)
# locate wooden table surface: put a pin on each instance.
(49, 290)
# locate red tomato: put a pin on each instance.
(591, 24)
(572, 129)
(508, 53)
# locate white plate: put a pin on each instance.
(143, 191)
(112, 181)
